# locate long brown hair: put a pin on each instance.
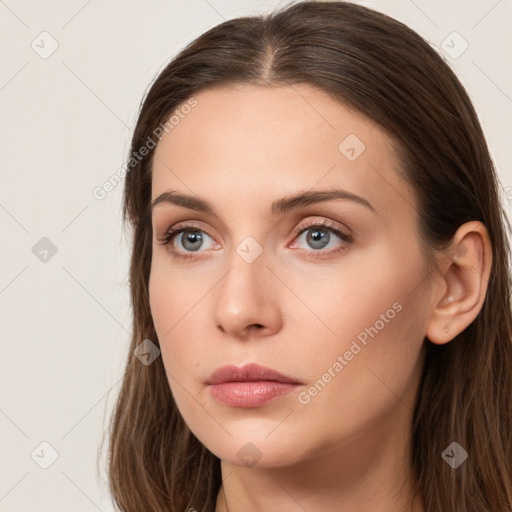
(387, 72)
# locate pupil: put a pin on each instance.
(192, 237)
(319, 238)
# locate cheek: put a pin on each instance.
(182, 344)
(178, 308)
(357, 379)
(173, 295)
(365, 299)
(180, 352)
(378, 316)
(178, 303)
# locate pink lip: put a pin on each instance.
(251, 372)
(251, 385)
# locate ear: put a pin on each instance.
(464, 268)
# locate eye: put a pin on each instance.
(190, 237)
(318, 236)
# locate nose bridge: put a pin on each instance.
(246, 295)
(243, 284)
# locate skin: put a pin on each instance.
(347, 449)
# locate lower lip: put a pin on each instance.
(250, 394)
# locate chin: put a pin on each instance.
(256, 449)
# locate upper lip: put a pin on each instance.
(251, 372)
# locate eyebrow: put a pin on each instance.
(279, 206)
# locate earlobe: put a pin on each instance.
(459, 295)
(440, 329)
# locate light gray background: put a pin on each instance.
(66, 122)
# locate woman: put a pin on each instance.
(319, 278)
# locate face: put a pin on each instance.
(330, 291)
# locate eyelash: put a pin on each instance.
(325, 225)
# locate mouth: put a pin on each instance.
(250, 386)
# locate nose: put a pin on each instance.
(246, 302)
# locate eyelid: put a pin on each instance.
(325, 223)
(176, 229)
(343, 233)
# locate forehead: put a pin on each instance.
(249, 141)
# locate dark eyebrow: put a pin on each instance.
(282, 205)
